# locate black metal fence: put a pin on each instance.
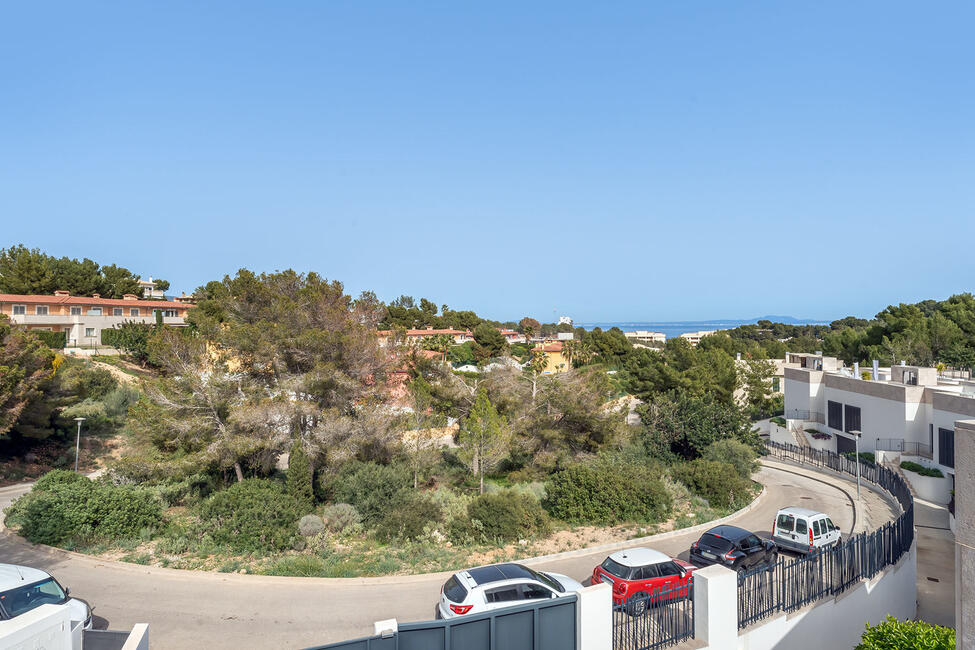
(658, 619)
(794, 583)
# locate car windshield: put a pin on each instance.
(716, 543)
(455, 591)
(23, 599)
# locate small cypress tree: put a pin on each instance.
(300, 476)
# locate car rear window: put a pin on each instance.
(614, 568)
(716, 543)
(801, 526)
(785, 523)
(454, 591)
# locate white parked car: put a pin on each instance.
(804, 531)
(499, 585)
(23, 588)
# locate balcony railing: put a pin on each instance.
(808, 416)
(905, 447)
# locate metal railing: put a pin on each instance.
(905, 447)
(808, 416)
(657, 619)
(793, 583)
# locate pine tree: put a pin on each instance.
(300, 476)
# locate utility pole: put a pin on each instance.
(77, 443)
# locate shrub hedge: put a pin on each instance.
(921, 469)
(407, 516)
(715, 481)
(892, 634)
(508, 516)
(53, 340)
(369, 487)
(607, 492)
(253, 515)
(737, 454)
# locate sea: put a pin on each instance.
(676, 328)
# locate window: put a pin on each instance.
(946, 447)
(801, 527)
(817, 529)
(828, 525)
(669, 569)
(531, 592)
(931, 437)
(852, 415)
(785, 523)
(775, 384)
(40, 310)
(90, 332)
(614, 568)
(20, 310)
(455, 591)
(117, 311)
(649, 572)
(750, 542)
(502, 594)
(134, 311)
(835, 411)
(170, 313)
(76, 311)
(94, 311)
(23, 599)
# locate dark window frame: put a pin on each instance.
(851, 418)
(946, 447)
(835, 415)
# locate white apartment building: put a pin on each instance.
(695, 337)
(644, 336)
(906, 409)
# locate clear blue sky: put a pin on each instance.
(654, 161)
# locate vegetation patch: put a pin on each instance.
(921, 469)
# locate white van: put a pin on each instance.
(24, 588)
(804, 531)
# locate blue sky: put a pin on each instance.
(640, 161)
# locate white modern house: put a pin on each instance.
(909, 410)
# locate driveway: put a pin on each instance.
(214, 610)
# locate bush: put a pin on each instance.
(310, 525)
(921, 469)
(508, 516)
(719, 483)
(53, 340)
(407, 517)
(61, 509)
(341, 517)
(737, 454)
(253, 515)
(370, 487)
(892, 634)
(607, 492)
(778, 420)
(865, 457)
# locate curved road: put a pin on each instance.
(216, 610)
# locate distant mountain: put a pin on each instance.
(790, 320)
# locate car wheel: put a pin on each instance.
(637, 605)
(437, 616)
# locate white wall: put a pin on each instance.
(929, 488)
(47, 627)
(879, 417)
(838, 623)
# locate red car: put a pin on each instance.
(640, 575)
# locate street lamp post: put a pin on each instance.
(856, 435)
(77, 443)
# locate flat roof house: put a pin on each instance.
(906, 409)
(82, 319)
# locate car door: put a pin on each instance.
(753, 548)
(670, 575)
(785, 530)
(802, 533)
(535, 591)
(503, 596)
(649, 578)
(832, 529)
(819, 533)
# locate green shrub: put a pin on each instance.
(866, 457)
(370, 487)
(717, 482)
(53, 340)
(407, 517)
(737, 454)
(341, 518)
(508, 516)
(607, 492)
(300, 476)
(921, 469)
(310, 525)
(253, 515)
(779, 421)
(58, 477)
(61, 509)
(892, 634)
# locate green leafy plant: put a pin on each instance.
(737, 454)
(719, 483)
(341, 517)
(408, 516)
(607, 492)
(921, 469)
(508, 516)
(299, 479)
(892, 634)
(369, 487)
(253, 515)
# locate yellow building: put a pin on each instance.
(556, 363)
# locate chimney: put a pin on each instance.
(738, 356)
(903, 363)
(130, 296)
(96, 295)
(856, 369)
(62, 294)
(876, 370)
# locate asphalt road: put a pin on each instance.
(187, 609)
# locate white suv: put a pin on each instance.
(23, 588)
(499, 585)
(804, 531)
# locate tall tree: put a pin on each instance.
(485, 438)
(25, 362)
